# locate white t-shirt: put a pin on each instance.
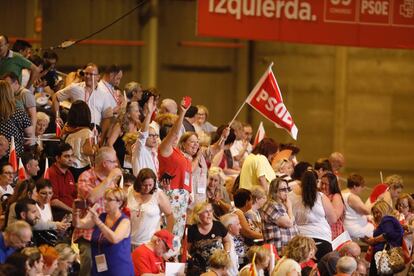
(45, 213)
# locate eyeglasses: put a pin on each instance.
(404, 206)
(113, 161)
(8, 173)
(111, 199)
(284, 190)
(89, 74)
(153, 135)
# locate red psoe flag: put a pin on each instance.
(46, 174)
(12, 155)
(260, 134)
(22, 171)
(267, 99)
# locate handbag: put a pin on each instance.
(389, 261)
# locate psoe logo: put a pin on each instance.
(290, 9)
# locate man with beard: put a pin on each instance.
(26, 210)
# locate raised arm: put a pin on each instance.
(166, 146)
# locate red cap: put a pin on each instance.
(166, 236)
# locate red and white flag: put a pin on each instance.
(267, 99)
(13, 155)
(260, 134)
(22, 172)
(46, 174)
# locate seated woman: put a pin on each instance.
(147, 204)
(243, 203)
(253, 215)
(389, 191)
(50, 258)
(356, 212)
(405, 206)
(388, 231)
(298, 250)
(330, 187)
(41, 231)
(216, 192)
(261, 258)
(313, 212)
(204, 237)
(111, 241)
(34, 263)
(66, 258)
(219, 264)
(279, 225)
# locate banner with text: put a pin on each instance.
(366, 23)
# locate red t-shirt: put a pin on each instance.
(176, 164)
(145, 261)
(63, 185)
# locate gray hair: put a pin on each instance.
(346, 264)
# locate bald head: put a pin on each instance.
(350, 249)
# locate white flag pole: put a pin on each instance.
(382, 179)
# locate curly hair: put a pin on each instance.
(299, 248)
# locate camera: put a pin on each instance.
(146, 95)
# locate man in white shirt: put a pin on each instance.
(110, 80)
(89, 92)
(144, 153)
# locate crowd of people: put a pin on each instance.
(123, 181)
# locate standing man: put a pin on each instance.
(111, 80)
(14, 62)
(63, 182)
(89, 92)
(92, 185)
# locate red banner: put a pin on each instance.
(266, 98)
(367, 23)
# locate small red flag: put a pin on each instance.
(22, 171)
(12, 155)
(260, 134)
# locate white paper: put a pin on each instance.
(344, 237)
(174, 269)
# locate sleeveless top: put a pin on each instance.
(351, 216)
(337, 228)
(311, 222)
(118, 256)
(145, 218)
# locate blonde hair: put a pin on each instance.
(217, 171)
(7, 101)
(262, 254)
(395, 181)
(202, 107)
(198, 209)
(124, 118)
(32, 253)
(299, 248)
(280, 163)
(65, 252)
(258, 192)
(220, 259)
(384, 208)
(166, 119)
(118, 193)
(42, 116)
